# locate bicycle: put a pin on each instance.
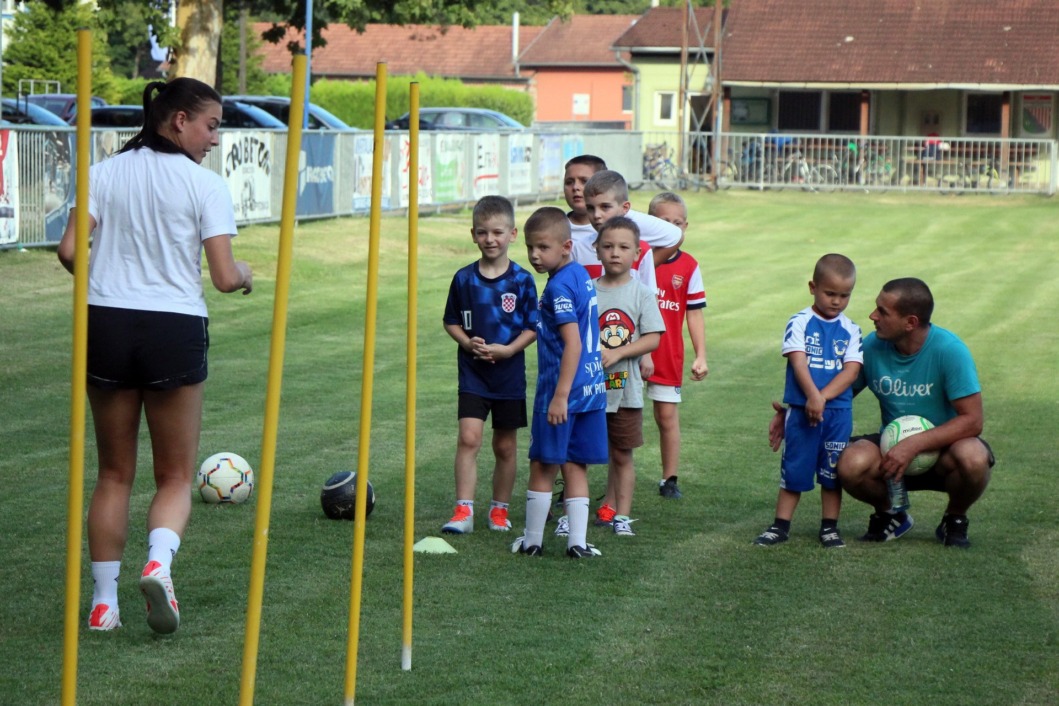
(659, 168)
(811, 177)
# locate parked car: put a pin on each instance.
(62, 104)
(238, 114)
(117, 116)
(480, 119)
(234, 114)
(279, 107)
(16, 111)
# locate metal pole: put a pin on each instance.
(715, 76)
(308, 59)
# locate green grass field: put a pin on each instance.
(687, 612)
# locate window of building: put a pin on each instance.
(665, 108)
(843, 112)
(799, 111)
(626, 98)
(983, 113)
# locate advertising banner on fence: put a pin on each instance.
(550, 166)
(426, 191)
(520, 162)
(58, 183)
(8, 186)
(248, 171)
(316, 175)
(573, 146)
(486, 165)
(363, 151)
(450, 173)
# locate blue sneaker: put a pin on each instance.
(883, 526)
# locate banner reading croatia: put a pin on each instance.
(248, 170)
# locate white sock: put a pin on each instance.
(537, 506)
(105, 576)
(497, 503)
(162, 546)
(577, 512)
(468, 503)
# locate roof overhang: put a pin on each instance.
(840, 86)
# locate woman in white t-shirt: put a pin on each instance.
(153, 210)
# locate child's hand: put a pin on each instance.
(814, 409)
(776, 429)
(557, 410)
(699, 369)
(480, 350)
(609, 356)
(647, 366)
(492, 352)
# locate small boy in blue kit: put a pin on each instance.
(569, 427)
(823, 351)
(491, 313)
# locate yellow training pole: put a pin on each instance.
(275, 380)
(410, 393)
(75, 502)
(368, 368)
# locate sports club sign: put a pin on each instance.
(248, 170)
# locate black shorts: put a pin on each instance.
(930, 480)
(130, 349)
(507, 414)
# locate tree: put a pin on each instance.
(41, 43)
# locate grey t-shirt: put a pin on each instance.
(626, 312)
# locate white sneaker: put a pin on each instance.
(163, 611)
(462, 521)
(621, 526)
(104, 618)
(562, 527)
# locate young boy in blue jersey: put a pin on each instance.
(569, 427)
(823, 351)
(492, 314)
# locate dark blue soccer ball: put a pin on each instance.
(339, 496)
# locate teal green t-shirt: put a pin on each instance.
(924, 384)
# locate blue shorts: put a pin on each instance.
(131, 349)
(581, 439)
(813, 451)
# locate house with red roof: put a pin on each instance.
(961, 68)
(577, 77)
(480, 55)
(654, 44)
(568, 67)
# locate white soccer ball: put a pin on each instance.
(225, 478)
(902, 428)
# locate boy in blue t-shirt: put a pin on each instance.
(569, 427)
(492, 314)
(823, 351)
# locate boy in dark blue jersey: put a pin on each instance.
(823, 351)
(569, 428)
(492, 314)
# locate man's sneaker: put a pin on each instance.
(562, 527)
(519, 547)
(621, 526)
(668, 488)
(498, 521)
(952, 531)
(771, 536)
(163, 612)
(104, 618)
(462, 521)
(586, 552)
(883, 526)
(831, 539)
(605, 515)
